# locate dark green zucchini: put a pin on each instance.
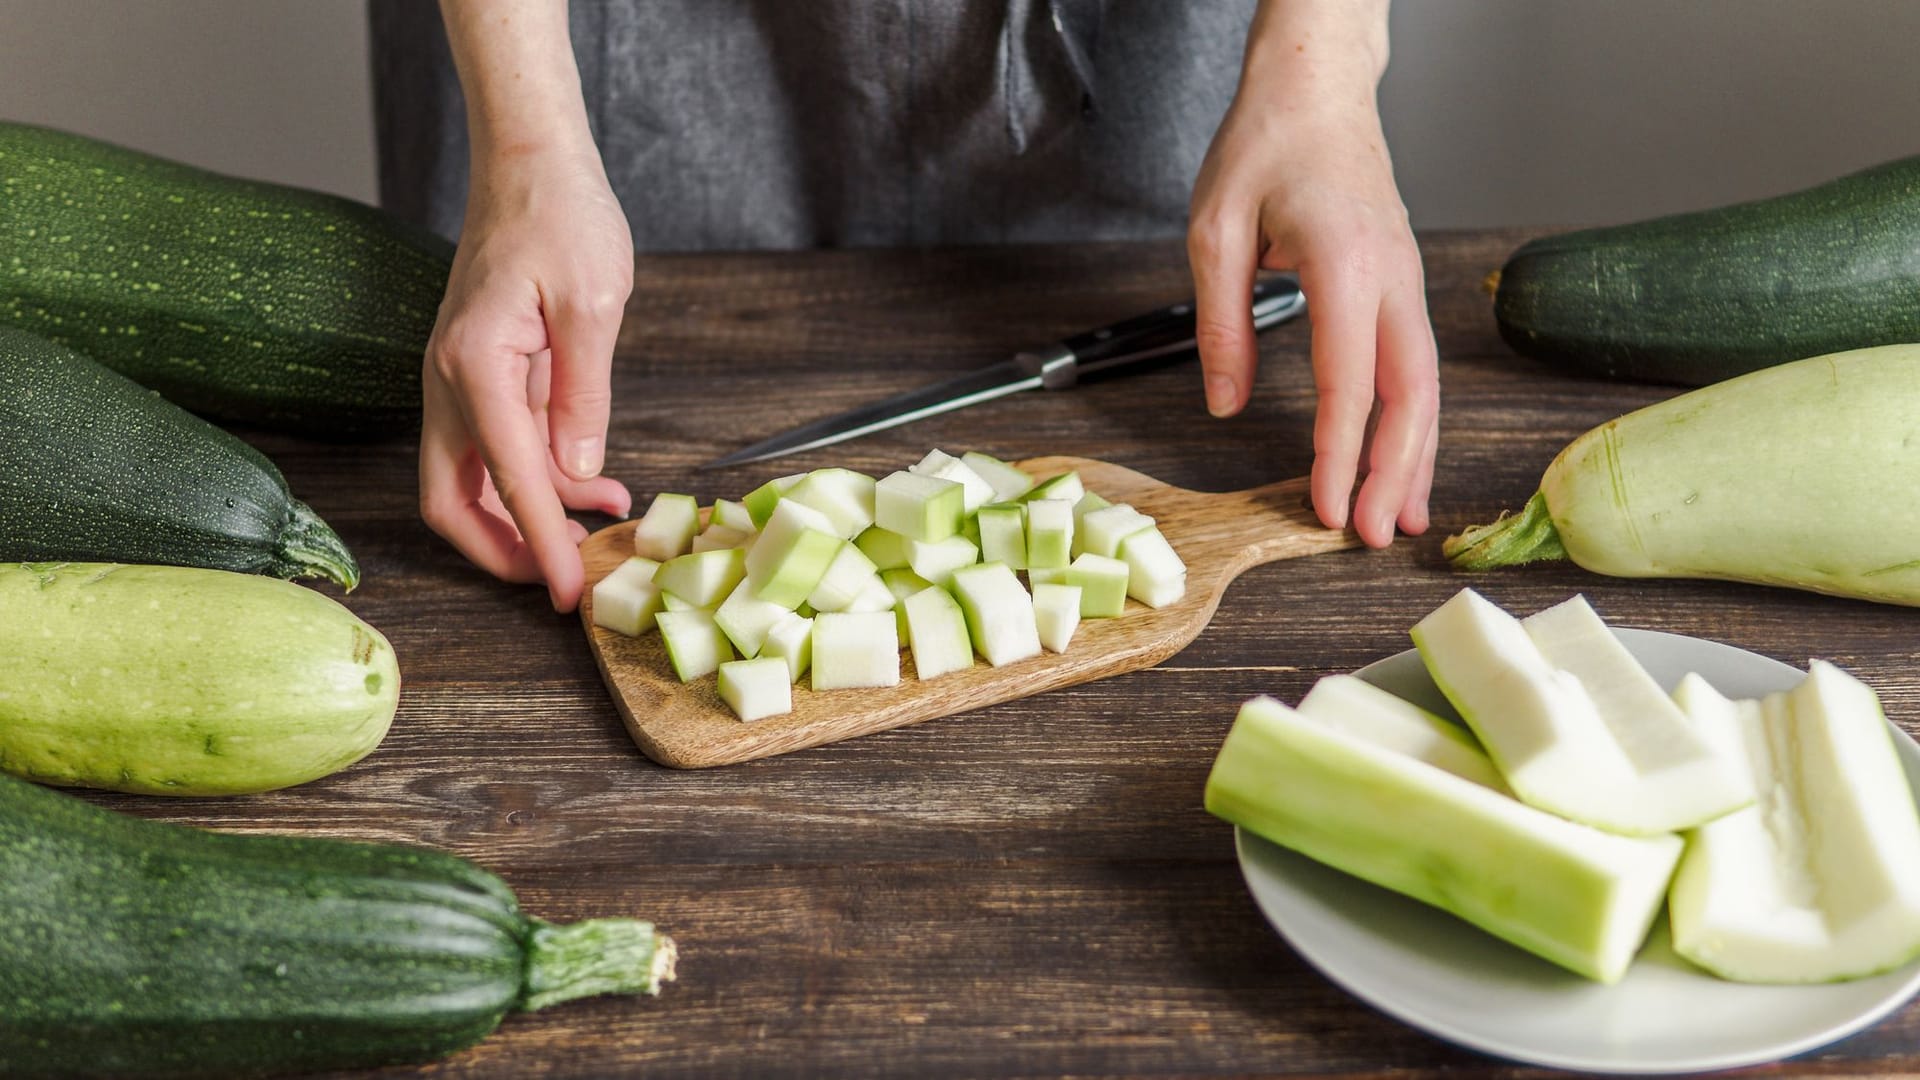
(95, 469)
(137, 948)
(242, 300)
(1697, 298)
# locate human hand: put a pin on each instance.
(518, 370)
(1298, 178)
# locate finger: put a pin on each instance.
(1222, 247)
(1415, 518)
(1409, 391)
(492, 394)
(452, 486)
(1343, 308)
(581, 331)
(602, 494)
(577, 532)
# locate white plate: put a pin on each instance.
(1436, 972)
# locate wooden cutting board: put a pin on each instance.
(687, 726)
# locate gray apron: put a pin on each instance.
(762, 124)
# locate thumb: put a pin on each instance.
(1221, 253)
(582, 339)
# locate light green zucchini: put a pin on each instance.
(1802, 475)
(179, 681)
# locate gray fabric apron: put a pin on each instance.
(759, 124)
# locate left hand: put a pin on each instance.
(1298, 179)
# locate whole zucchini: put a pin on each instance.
(172, 681)
(1800, 475)
(137, 948)
(1696, 298)
(243, 300)
(93, 467)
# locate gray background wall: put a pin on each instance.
(1498, 111)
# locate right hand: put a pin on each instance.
(517, 381)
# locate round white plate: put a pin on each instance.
(1436, 972)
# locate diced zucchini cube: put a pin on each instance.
(792, 554)
(745, 619)
(888, 550)
(1155, 575)
(1056, 611)
(1049, 532)
(902, 582)
(999, 613)
(626, 600)
(853, 649)
(670, 602)
(1065, 486)
(937, 633)
(666, 530)
(1003, 534)
(694, 643)
(705, 578)
(1008, 482)
(977, 491)
(1089, 502)
(790, 640)
(873, 596)
(719, 537)
(733, 515)
(1103, 529)
(761, 501)
(937, 561)
(1047, 575)
(844, 496)
(1103, 585)
(756, 689)
(849, 573)
(923, 508)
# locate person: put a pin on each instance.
(772, 124)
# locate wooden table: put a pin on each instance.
(1032, 889)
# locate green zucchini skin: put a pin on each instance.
(242, 300)
(1696, 298)
(94, 468)
(172, 681)
(137, 948)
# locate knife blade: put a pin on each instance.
(1130, 345)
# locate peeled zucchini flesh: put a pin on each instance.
(1577, 896)
(1574, 723)
(1819, 880)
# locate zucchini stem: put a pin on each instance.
(310, 548)
(1528, 536)
(598, 956)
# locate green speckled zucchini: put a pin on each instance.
(172, 681)
(136, 948)
(243, 300)
(1696, 298)
(94, 468)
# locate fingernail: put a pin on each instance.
(585, 457)
(1221, 394)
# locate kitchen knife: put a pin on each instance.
(1111, 350)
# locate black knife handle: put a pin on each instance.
(1162, 335)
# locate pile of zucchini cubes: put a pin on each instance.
(830, 572)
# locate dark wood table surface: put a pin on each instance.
(1028, 890)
